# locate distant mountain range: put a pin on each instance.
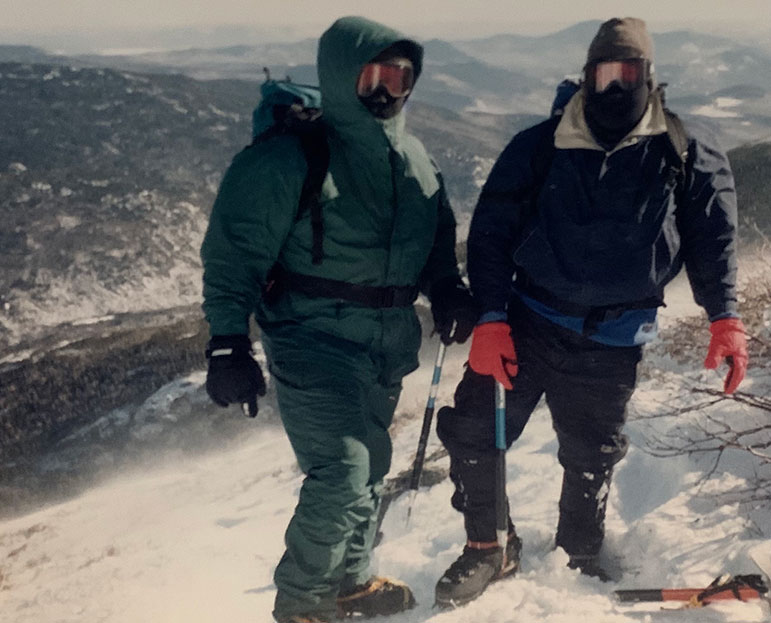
(107, 174)
(711, 76)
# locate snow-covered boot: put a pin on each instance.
(589, 565)
(581, 527)
(478, 566)
(583, 503)
(379, 596)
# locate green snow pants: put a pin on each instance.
(337, 400)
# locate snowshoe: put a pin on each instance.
(589, 565)
(379, 596)
(468, 577)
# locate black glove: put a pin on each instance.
(453, 307)
(234, 376)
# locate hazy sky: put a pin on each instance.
(453, 19)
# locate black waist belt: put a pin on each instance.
(592, 315)
(368, 296)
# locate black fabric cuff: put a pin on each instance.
(237, 343)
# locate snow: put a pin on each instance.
(129, 51)
(178, 287)
(488, 107)
(718, 109)
(66, 221)
(195, 538)
(727, 102)
(451, 82)
(714, 112)
(95, 320)
(17, 356)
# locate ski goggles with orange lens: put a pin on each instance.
(396, 76)
(629, 74)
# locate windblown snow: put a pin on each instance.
(196, 539)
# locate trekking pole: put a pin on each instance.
(420, 455)
(501, 508)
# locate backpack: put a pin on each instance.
(289, 108)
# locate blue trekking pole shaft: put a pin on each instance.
(420, 455)
(501, 508)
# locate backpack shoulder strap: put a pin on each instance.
(678, 139)
(316, 149)
(313, 141)
(678, 151)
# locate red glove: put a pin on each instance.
(492, 352)
(728, 342)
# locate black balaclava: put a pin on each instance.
(612, 114)
(380, 102)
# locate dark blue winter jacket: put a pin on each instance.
(609, 229)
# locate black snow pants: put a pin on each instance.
(586, 385)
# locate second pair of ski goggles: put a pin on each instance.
(628, 74)
(397, 76)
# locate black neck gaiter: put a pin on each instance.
(612, 114)
(382, 104)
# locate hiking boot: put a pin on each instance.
(478, 566)
(589, 565)
(302, 618)
(379, 596)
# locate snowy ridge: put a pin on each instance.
(194, 538)
(108, 178)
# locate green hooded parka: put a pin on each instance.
(337, 366)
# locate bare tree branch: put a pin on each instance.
(713, 427)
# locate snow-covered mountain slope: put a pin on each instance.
(107, 179)
(194, 537)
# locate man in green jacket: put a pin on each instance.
(341, 333)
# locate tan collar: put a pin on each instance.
(573, 132)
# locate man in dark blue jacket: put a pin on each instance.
(569, 266)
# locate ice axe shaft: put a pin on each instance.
(740, 587)
(683, 594)
(501, 506)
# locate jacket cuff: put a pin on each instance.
(228, 345)
(493, 316)
(729, 314)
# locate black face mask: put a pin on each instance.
(382, 104)
(612, 114)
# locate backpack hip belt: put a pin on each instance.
(376, 297)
